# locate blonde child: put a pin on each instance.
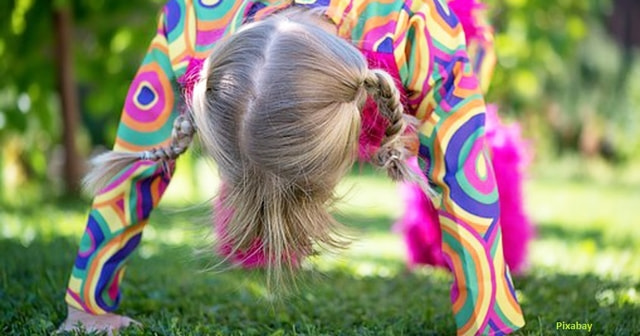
(287, 92)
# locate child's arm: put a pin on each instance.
(120, 211)
(445, 94)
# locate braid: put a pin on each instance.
(107, 165)
(391, 153)
(380, 85)
(395, 148)
(181, 137)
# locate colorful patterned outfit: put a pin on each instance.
(509, 154)
(421, 43)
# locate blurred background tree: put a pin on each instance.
(568, 71)
(107, 41)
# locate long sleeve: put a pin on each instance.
(120, 212)
(445, 95)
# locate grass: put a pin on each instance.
(584, 267)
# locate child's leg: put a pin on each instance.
(420, 226)
(120, 212)
(113, 231)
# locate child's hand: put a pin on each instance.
(79, 320)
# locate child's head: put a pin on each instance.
(278, 107)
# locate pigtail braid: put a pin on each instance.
(106, 166)
(181, 137)
(391, 153)
(395, 147)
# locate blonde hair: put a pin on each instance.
(278, 108)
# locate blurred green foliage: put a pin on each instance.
(559, 72)
(534, 40)
(110, 39)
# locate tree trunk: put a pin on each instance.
(623, 22)
(68, 95)
(626, 30)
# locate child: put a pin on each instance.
(286, 90)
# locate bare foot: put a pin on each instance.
(78, 320)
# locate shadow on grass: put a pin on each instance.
(170, 295)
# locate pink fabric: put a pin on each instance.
(254, 257)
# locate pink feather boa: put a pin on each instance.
(511, 155)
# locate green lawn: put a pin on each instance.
(584, 268)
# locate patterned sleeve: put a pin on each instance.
(444, 94)
(120, 212)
